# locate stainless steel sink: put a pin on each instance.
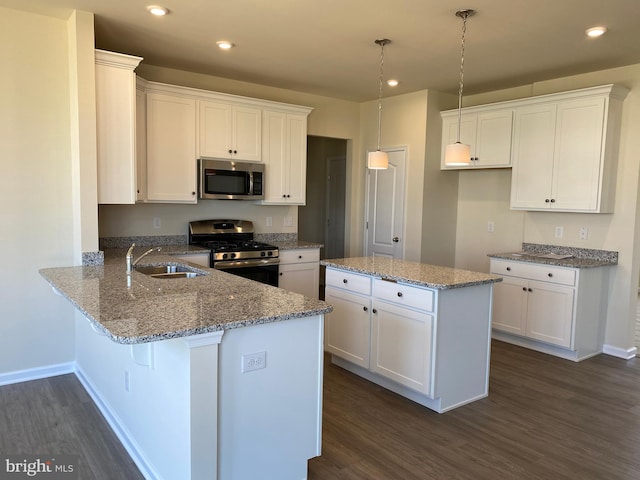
(169, 271)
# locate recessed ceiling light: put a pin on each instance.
(392, 82)
(224, 44)
(596, 31)
(157, 10)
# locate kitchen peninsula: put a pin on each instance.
(214, 376)
(422, 331)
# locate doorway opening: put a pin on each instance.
(322, 219)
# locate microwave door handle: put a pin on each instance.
(250, 183)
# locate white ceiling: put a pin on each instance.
(326, 47)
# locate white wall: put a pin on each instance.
(484, 196)
(35, 190)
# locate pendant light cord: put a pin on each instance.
(382, 43)
(464, 14)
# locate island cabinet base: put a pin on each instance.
(243, 403)
(430, 345)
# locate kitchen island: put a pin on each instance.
(214, 376)
(422, 331)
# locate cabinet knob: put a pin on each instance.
(524, 289)
(508, 269)
(230, 151)
(365, 309)
(546, 200)
(529, 290)
(344, 280)
(550, 274)
(399, 294)
(553, 200)
(235, 151)
(374, 310)
(280, 273)
(300, 257)
(193, 193)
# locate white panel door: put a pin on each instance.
(384, 222)
(550, 313)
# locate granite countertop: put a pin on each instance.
(561, 256)
(295, 244)
(414, 273)
(137, 308)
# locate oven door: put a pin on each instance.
(263, 271)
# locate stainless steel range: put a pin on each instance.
(233, 249)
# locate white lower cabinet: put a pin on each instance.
(408, 338)
(556, 310)
(201, 259)
(299, 271)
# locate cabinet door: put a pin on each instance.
(141, 146)
(171, 148)
(550, 313)
(348, 326)
(533, 149)
(493, 139)
(296, 159)
(577, 172)
(510, 305)
(214, 129)
(285, 157)
(401, 346)
(303, 278)
(247, 133)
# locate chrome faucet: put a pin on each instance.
(129, 257)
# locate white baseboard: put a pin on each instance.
(626, 353)
(118, 428)
(37, 373)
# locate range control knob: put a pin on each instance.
(224, 255)
(233, 255)
(262, 254)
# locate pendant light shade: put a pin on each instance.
(379, 160)
(459, 154)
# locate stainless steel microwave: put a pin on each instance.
(228, 180)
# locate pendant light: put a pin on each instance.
(379, 160)
(459, 153)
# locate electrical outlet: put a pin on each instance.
(288, 221)
(583, 234)
(269, 221)
(157, 222)
(127, 381)
(491, 227)
(253, 361)
(559, 232)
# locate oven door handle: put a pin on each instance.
(228, 264)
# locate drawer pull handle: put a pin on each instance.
(508, 269)
(365, 309)
(550, 274)
(399, 294)
(375, 311)
(344, 280)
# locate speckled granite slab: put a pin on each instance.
(137, 308)
(414, 273)
(576, 257)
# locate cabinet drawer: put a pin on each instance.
(405, 295)
(303, 255)
(352, 282)
(543, 273)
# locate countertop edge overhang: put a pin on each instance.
(412, 273)
(136, 308)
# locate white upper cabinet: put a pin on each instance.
(487, 130)
(230, 131)
(116, 127)
(285, 157)
(171, 148)
(565, 151)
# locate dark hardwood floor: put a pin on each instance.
(545, 418)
